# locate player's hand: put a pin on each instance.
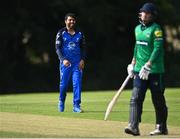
(144, 72)
(66, 63)
(130, 68)
(81, 64)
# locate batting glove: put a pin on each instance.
(144, 72)
(130, 68)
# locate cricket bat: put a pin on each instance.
(115, 98)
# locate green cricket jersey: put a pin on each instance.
(149, 46)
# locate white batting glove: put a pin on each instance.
(144, 72)
(130, 68)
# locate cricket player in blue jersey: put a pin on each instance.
(70, 48)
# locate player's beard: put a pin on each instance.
(71, 25)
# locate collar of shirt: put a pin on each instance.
(144, 26)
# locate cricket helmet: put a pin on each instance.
(150, 8)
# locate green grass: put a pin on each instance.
(94, 105)
(4, 134)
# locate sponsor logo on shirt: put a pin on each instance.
(142, 43)
(158, 33)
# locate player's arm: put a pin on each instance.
(58, 46)
(158, 44)
(134, 56)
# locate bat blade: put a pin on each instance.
(115, 98)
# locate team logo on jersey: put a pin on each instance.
(148, 35)
(158, 33)
(71, 45)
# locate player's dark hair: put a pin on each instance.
(70, 15)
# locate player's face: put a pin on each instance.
(70, 22)
(145, 17)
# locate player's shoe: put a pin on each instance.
(132, 131)
(77, 109)
(159, 131)
(61, 106)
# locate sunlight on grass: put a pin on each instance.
(94, 105)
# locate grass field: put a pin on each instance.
(36, 115)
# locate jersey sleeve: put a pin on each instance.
(58, 45)
(158, 44)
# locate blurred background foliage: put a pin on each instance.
(27, 41)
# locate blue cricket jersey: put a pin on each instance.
(70, 47)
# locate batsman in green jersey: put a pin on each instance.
(147, 69)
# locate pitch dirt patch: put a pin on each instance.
(53, 126)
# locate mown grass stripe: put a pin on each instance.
(50, 126)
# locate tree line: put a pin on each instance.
(27, 42)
